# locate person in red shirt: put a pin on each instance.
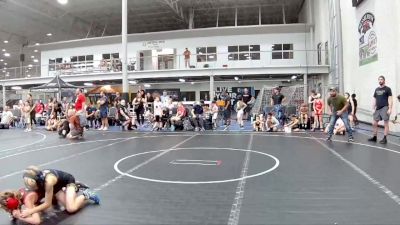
(318, 106)
(80, 100)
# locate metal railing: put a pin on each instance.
(249, 59)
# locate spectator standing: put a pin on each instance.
(382, 104)
(187, 54)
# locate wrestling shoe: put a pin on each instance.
(91, 195)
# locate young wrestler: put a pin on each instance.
(257, 125)
(12, 201)
(124, 115)
(294, 123)
(271, 123)
(52, 123)
(214, 112)
(27, 115)
(339, 128)
(303, 116)
(50, 183)
(318, 111)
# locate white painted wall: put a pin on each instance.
(363, 80)
(316, 12)
(299, 41)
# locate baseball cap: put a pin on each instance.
(333, 88)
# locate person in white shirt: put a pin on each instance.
(214, 110)
(7, 117)
(165, 99)
(158, 106)
(271, 123)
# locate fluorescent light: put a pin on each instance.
(16, 87)
(7, 54)
(147, 85)
(35, 50)
(36, 60)
(88, 84)
(182, 80)
(133, 82)
(62, 2)
(49, 34)
(5, 42)
(37, 44)
(30, 65)
(236, 78)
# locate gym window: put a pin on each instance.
(206, 54)
(244, 52)
(282, 51)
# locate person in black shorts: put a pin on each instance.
(227, 109)
(382, 104)
(50, 183)
(355, 119)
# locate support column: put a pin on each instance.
(339, 43)
(211, 87)
(4, 97)
(191, 19)
(124, 58)
(305, 94)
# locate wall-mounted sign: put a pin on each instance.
(368, 42)
(154, 45)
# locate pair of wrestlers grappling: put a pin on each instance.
(42, 186)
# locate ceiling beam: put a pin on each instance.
(176, 8)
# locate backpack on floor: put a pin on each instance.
(187, 125)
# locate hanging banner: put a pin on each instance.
(368, 42)
(154, 45)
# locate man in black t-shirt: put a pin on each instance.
(382, 105)
(276, 101)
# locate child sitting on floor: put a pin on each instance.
(257, 125)
(293, 124)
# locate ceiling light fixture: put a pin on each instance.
(35, 50)
(236, 78)
(192, 83)
(16, 87)
(88, 84)
(49, 34)
(36, 60)
(3, 50)
(182, 80)
(5, 42)
(5, 64)
(37, 44)
(133, 82)
(7, 54)
(32, 56)
(147, 85)
(62, 2)
(294, 77)
(1, 60)
(30, 65)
